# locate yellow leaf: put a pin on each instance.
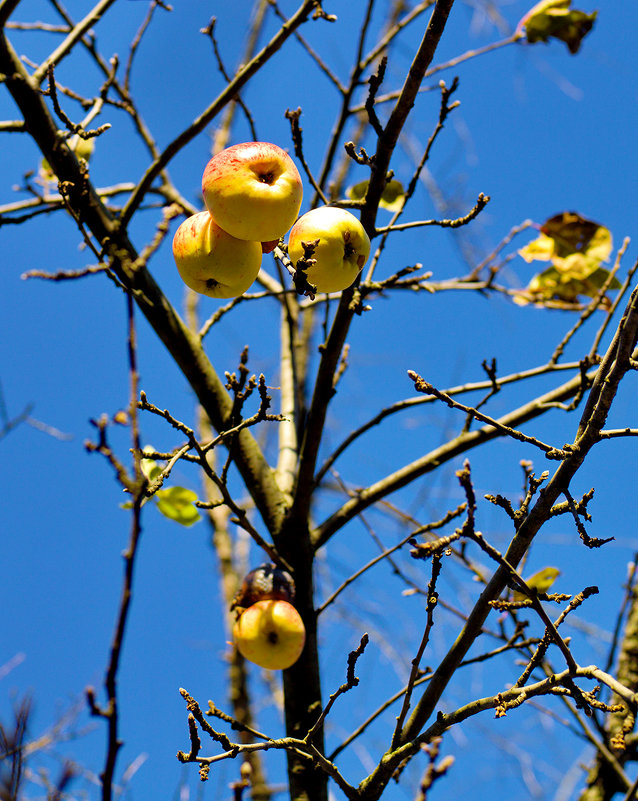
(541, 249)
(555, 19)
(392, 196)
(357, 191)
(576, 247)
(540, 582)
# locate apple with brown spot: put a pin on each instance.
(271, 634)
(342, 250)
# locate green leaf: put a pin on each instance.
(393, 196)
(150, 467)
(357, 191)
(391, 199)
(540, 582)
(554, 19)
(176, 503)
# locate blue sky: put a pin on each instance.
(538, 130)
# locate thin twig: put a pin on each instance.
(423, 386)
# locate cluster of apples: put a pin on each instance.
(268, 631)
(253, 194)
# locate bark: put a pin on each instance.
(603, 781)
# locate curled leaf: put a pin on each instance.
(576, 247)
(555, 19)
(572, 233)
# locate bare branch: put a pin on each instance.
(200, 123)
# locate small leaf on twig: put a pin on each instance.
(176, 503)
(540, 582)
(149, 467)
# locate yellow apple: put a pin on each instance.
(271, 634)
(253, 190)
(212, 262)
(341, 252)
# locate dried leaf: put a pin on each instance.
(575, 247)
(555, 19)
(572, 233)
(541, 249)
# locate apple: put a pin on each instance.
(212, 262)
(268, 247)
(341, 252)
(271, 634)
(253, 190)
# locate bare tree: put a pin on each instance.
(272, 495)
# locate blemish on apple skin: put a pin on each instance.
(348, 250)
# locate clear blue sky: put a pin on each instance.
(538, 130)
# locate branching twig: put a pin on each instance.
(297, 139)
(423, 386)
(351, 682)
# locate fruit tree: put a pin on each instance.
(318, 401)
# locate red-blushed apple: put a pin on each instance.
(271, 634)
(253, 190)
(212, 262)
(341, 252)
